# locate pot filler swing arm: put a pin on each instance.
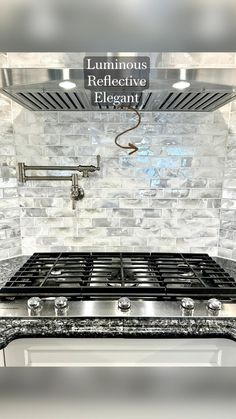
(77, 192)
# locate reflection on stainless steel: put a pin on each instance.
(187, 303)
(35, 304)
(61, 302)
(124, 304)
(144, 309)
(214, 304)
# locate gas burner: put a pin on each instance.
(183, 275)
(69, 285)
(185, 271)
(129, 279)
(59, 280)
(120, 284)
(56, 272)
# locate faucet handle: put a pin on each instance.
(73, 204)
(76, 191)
(98, 161)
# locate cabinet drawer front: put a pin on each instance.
(120, 352)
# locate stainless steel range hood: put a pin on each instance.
(39, 90)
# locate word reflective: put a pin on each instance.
(116, 80)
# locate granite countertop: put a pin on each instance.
(14, 328)
(10, 266)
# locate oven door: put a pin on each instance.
(113, 352)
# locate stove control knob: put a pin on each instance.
(187, 303)
(214, 304)
(61, 303)
(35, 303)
(124, 303)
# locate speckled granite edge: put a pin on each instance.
(11, 329)
(9, 267)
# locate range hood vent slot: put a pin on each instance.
(151, 101)
(171, 102)
(39, 90)
(49, 101)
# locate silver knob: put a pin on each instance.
(214, 304)
(35, 303)
(187, 303)
(124, 303)
(61, 303)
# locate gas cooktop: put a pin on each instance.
(145, 275)
(126, 281)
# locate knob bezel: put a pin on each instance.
(35, 304)
(187, 303)
(61, 303)
(214, 304)
(124, 304)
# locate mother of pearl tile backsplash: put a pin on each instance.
(167, 197)
(227, 236)
(176, 194)
(10, 233)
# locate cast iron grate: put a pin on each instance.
(109, 275)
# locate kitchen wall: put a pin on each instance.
(10, 234)
(165, 198)
(227, 237)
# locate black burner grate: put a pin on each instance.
(107, 275)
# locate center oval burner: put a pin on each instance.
(116, 283)
(129, 280)
(56, 272)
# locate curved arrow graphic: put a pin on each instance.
(129, 146)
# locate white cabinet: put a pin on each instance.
(120, 352)
(2, 361)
